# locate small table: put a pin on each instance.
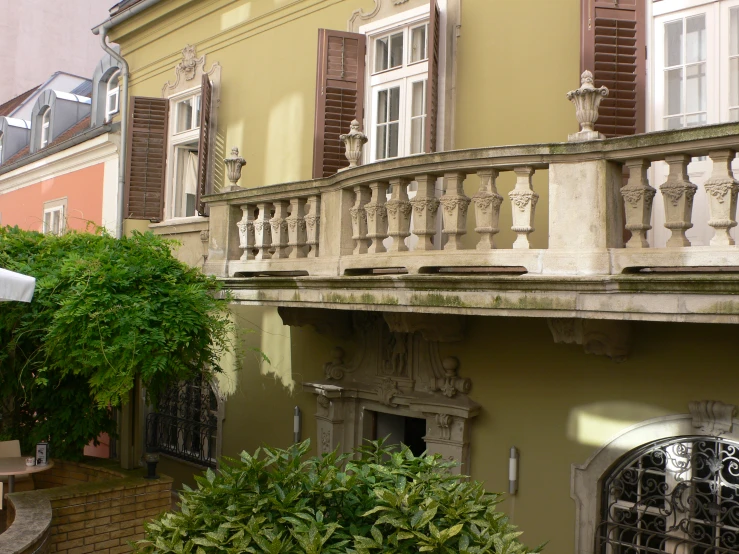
(17, 466)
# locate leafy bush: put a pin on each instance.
(106, 312)
(279, 502)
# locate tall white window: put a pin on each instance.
(45, 127)
(396, 105)
(184, 138)
(113, 92)
(54, 220)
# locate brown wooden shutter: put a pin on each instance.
(339, 97)
(432, 87)
(206, 97)
(614, 49)
(147, 158)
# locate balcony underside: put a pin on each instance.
(680, 297)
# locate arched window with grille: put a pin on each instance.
(677, 495)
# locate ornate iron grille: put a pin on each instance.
(676, 496)
(185, 423)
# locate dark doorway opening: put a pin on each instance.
(400, 430)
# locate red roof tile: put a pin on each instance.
(7, 108)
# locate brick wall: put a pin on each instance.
(95, 509)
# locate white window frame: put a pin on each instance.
(114, 92)
(177, 145)
(45, 127)
(1, 148)
(402, 77)
(55, 207)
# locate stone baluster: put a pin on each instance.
(296, 231)
(399, 214)
(263, 232)
(359, 219)
(638, 197)
(523, 199)
(455, 203)
(678, 192)
(722, 191)
(487, 209)
(246, 232)
(313, 225)
(279, 229)
(377, 217)
(425, 207)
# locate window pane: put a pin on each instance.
(734, 114)
(695, 88)
(113, 81)
(196, 119)
(396, 50)
(674, 91)
(392, 140)
(381, 142)
(734, 82)
(674, 122)
(418, 106)
(112, 102)
(381, 54)
(734, 32)
(394, 104)
(382, 106)
(673, 43)
(695, 41)
(418, 44)
(184, 115)
(417, 135)
(695, 119)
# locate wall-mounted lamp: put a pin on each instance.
(297, 417)
(513, 471)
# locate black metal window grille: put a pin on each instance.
(185, 422)
(675, 496)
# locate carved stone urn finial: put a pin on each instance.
(587, 100)
(234, 163)
(354, 141)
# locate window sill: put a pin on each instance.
(180, 225)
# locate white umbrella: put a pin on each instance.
(16, 286)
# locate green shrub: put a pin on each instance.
(279, 501)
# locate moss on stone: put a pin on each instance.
(435, 299)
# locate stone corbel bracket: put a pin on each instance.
(333, 323)
(597, 336)
(433, 327)
(713, 417)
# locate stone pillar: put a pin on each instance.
(722, 191)
(335, 236)
(455, 203)
(678, 193)
(399, 214)
(359, 219)
(246, 232)
(279, 229)
(329, 424)
(263, 231)
(524, 201)
(449, 436)
(313, 225)
(223, 238)
(296, 231)
(425, 207)
(487, 209)
(638, 197)
(377, 217)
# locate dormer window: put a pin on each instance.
(1, 148)
(112, 96)
(45, 127)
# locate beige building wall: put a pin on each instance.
(40, 37)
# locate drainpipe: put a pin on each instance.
(102, 30)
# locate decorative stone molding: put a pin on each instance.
(706, 419)
(455, 203)
(587, 99)
(722, 191)
(524, 198)
(394, 372)
(487, 209)
(234, 163)
(354, 141)
(678, 193)
(433, 327)
(189, 71)
(638, 197)
(601, 337)
(382, 9)
(332, 323)
(712, 417)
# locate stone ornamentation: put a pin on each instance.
(525, 199)
(713, 417)
(313, 225)
(425, 209)
(279, 229)
(234, 163)
(487, 209)
(246, 232)
(359, 219)
(263, 232)
(325, 441)
(399, 215)
(455, 203)
(638, 197)
(722, 191)
(444, 422)
(451, 383)
(377, 217)
(190, 61)
(354, 141)
(587, 100)
(678, 193)
(601, 337)
(336, 368)
(296, 228)
(386, 391)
